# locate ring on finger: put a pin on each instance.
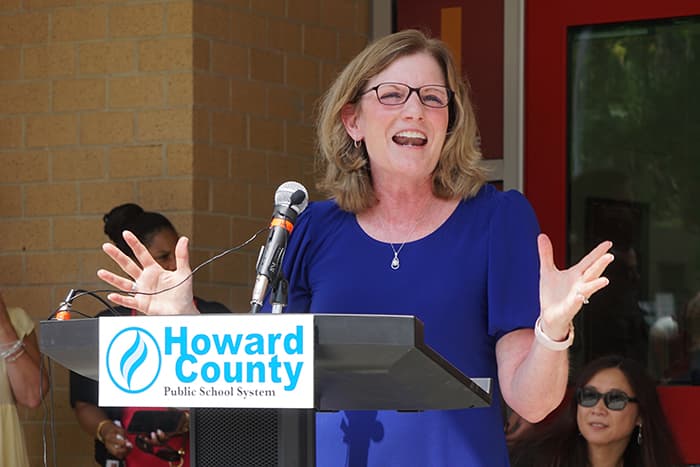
(134, 288)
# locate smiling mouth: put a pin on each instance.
(410, 138)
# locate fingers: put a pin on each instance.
(594, 255)
(115, 281)
(125, 263)
(182, 255)
(544, 246)
(141, 253)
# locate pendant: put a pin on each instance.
(395, 262)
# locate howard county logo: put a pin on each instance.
(133, 360)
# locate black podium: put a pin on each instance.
(362, 362)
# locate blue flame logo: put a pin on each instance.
(135, 355)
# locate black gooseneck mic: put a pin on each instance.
(291, 198)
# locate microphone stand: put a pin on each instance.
(280, 292)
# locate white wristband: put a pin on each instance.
(548, 342)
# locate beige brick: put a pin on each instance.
(201, 195)
(249, 29)
(339, 14)
(364, 18)
(79, 24)
(24, 97)
(52, 130)
(10, 132)
(214, 292)
(173, 124)
(266, 134)
(229, 59)
(266, 66)
(211, 230)
(49, 61)
(228, 128)
(303, 72)
(136, 161)
(310, 108)
(36, 300)
(10, 5)
(136, 20)
(285, 36)
(10, 59)
(136, 91)
(300, 139)
(249, 166)
(248, 97)
(210, 162)
(166, 194)
(95, 259)
(180, 159)
(24, 29)
(179, 17)
(100, 197)
(24, 235)
(230, 197)
(57, 268)
(211, 91)
(285, 167)
(321, 42)
(180, 89)
(78, 94)
(12, 270)
(107, 57)
(165, 54)
(10, 201)
(285, 103)
(42, 4)
(350, 44)
(329, 72)
(201, 59)
(78, 164)
(304, 11)
(19, 167)
(262, 197)
(232, 269)
(202, 125)
(240, 294)
(212, 21)
(50, 199)
(106, 127)
(70, 233)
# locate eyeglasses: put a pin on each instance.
(161, 451)
(614, 400)
(435, 96)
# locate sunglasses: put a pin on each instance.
(614, 399)
(161, 451)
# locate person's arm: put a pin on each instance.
(28, 380)
(532, 376)
(95, 421)
(149, 277)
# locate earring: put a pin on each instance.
(357, 143)
(639, 435)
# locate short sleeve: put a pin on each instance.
(21, 321)
(513, 266)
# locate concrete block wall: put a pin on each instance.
(198, 109)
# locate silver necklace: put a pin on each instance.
(395, 261)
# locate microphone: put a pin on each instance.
(291, 198)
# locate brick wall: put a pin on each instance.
(197, 109)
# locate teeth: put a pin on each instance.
(411, 134)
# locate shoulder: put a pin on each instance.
(319, 218)
(21, 321)
(493, 205)
(205, 306)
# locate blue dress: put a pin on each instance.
(471, 281)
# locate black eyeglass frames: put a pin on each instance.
(614, 399)
(435, 96)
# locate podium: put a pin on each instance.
(362, 362)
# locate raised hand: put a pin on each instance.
(149, 277)
(562, 293)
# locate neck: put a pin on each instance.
(609, 455)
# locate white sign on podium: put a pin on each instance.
(214, 360)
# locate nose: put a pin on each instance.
(413, 107)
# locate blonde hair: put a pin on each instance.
(345, 167)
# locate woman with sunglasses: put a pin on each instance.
(613, 419)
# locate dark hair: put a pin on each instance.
(560, 444)
(132, 217)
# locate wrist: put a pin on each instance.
(553, 344)
(100, 429)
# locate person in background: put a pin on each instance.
(613, 419)
(23, 381)
(108, 424)
(410, 227)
